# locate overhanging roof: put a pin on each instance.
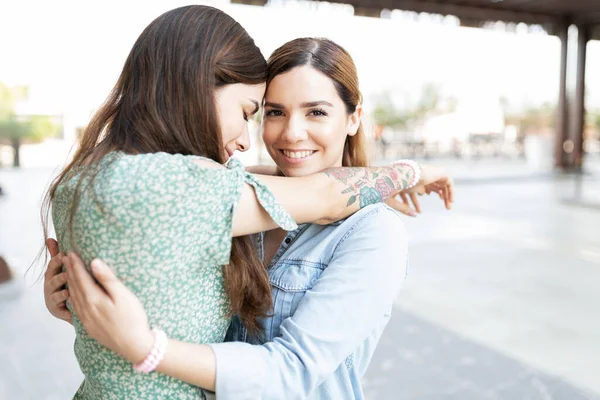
(551, 14)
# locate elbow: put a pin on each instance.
(333, 209)
(332, 215)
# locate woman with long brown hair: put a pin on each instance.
(146, 192)
(333, 285)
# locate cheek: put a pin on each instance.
(330, 137)
(232, 130)
(271, 132)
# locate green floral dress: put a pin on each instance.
(164, 224)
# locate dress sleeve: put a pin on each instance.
(203, 199)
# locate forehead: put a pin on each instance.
(299, 84)
(244, 91)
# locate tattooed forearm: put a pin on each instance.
(373, 184)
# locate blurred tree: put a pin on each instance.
(593, 119)
(386, 114)
(531, 120)
(430, 101)
(16, 129)
(539, 119)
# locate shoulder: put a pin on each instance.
(161, 162)
(154, 170)
(375, 240)
(376, 225)
(379, 219)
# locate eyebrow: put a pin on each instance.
(316, 103)
(303, 105)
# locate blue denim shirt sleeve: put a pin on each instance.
(344, 306)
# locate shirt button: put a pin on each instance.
(288, 240)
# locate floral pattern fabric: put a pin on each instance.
(164, 224)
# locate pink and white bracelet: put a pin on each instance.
(416, 171)
(156, 355)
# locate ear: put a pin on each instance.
(354, 120)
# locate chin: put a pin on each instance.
(297, 171)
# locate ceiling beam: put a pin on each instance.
(471, 16)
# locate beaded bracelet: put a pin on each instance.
(156, 355)
(416, 171)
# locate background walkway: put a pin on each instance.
(501, 301)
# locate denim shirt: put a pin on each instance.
(333, 290)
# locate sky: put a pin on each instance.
(70, 53)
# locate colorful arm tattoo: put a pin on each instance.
(372, 184)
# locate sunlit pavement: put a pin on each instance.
(501, 300)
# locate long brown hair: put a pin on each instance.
(336, 63)
(164, 101)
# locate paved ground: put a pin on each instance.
(501, 302)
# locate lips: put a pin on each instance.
(297, 154)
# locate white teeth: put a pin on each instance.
(297, 154)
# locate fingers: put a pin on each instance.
(57, 282)
(88, 298)
(400, 206)
(106, 278)
(415, 201)
(404, 198)
(58, 306)
(405, 207)
(446, 198)
(437, 189)
(54, 266)
(52, 246)
(78, 285)
(74, 290)
(80, 278)
(65, 315)
(444, 187)
(447, 192)
(59, 298)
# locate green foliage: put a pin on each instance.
(386, 114)
(533, 119)
(593, 119)
(430, 101)
(15, 127)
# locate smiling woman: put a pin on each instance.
(303, 129)
(313, 108)
(148, 192)
(164, 222)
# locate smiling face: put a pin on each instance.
(306, 122)
(236, 103)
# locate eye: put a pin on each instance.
(317, 113)
(246, 116)
(274, 113)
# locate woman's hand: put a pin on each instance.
(433, 180)
(401, 203)
(108, 310)
(55, 293)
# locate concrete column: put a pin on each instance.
(575, 159)
(562, 132)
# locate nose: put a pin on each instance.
(243, 142)
(294, 130)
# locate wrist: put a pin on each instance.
(142, 348)
(416, 171)
(156, 354)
